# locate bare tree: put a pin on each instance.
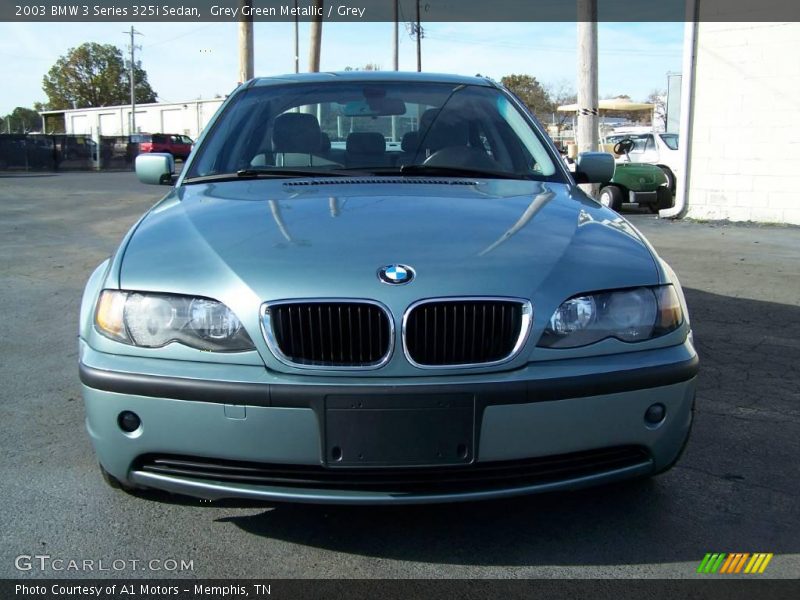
(561, 93)
(659, 98)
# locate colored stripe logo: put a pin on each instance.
(737, 562)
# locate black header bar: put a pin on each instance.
(707, 587)
(383, 10)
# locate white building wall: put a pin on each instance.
(746, 123)
(109, 121)
(173, 119)
(188, 118)
(78, 124)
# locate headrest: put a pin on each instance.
(366, 143)
(428, 117)
(296, 132)
(447, 129)
(410, 141)
(324, 142)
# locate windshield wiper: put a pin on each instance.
(292, 172)
(269, 173)
(448, 171)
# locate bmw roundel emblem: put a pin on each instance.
(396, 274)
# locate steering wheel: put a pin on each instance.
(623, 146)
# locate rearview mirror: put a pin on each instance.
(374, 107)
(155, 168)
(594, 167)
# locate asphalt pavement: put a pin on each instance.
(735, 490)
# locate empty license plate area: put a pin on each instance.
(399, 430)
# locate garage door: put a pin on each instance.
(172, 120)
(109, 124)
(80, 124)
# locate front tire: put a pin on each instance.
(611, 196)
(663, 200)
(671, 182)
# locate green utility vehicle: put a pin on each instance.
(639, 183)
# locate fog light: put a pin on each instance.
(128, 421)
(655, 414)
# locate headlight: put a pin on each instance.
(628, 315)
(155, 320)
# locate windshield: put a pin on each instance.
(671, 140)
(376, 128)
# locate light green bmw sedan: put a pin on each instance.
(377, 288)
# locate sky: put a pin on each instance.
(186, 61)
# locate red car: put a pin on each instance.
(172, 143)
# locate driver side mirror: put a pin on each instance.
(155, 168)
(594, 167)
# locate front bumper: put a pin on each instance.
(564, 412)
(643, 197)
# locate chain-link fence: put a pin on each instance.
(117, 152)
(37, 152)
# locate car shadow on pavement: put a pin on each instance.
(636, 209)
(735, 489)
(25, 175)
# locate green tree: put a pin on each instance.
(25, 120)
(367, 67)
(93, 75)
(532, 93)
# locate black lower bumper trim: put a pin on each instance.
(177, 388)
(479, 476)
(305, 396)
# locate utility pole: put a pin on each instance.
(587, 80)
(246, 57)
(316, 38)
(396, 36)
(396, 58)
(132, 77)
(419, 41)
(296, 39)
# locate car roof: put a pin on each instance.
(382, 76)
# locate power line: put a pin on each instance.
(182, 35)
(545, 47)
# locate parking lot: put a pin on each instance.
(735, 490)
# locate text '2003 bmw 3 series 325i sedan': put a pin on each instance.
(382, 288)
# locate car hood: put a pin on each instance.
(247, 242)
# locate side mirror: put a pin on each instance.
(155, 168)
(594, 167)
